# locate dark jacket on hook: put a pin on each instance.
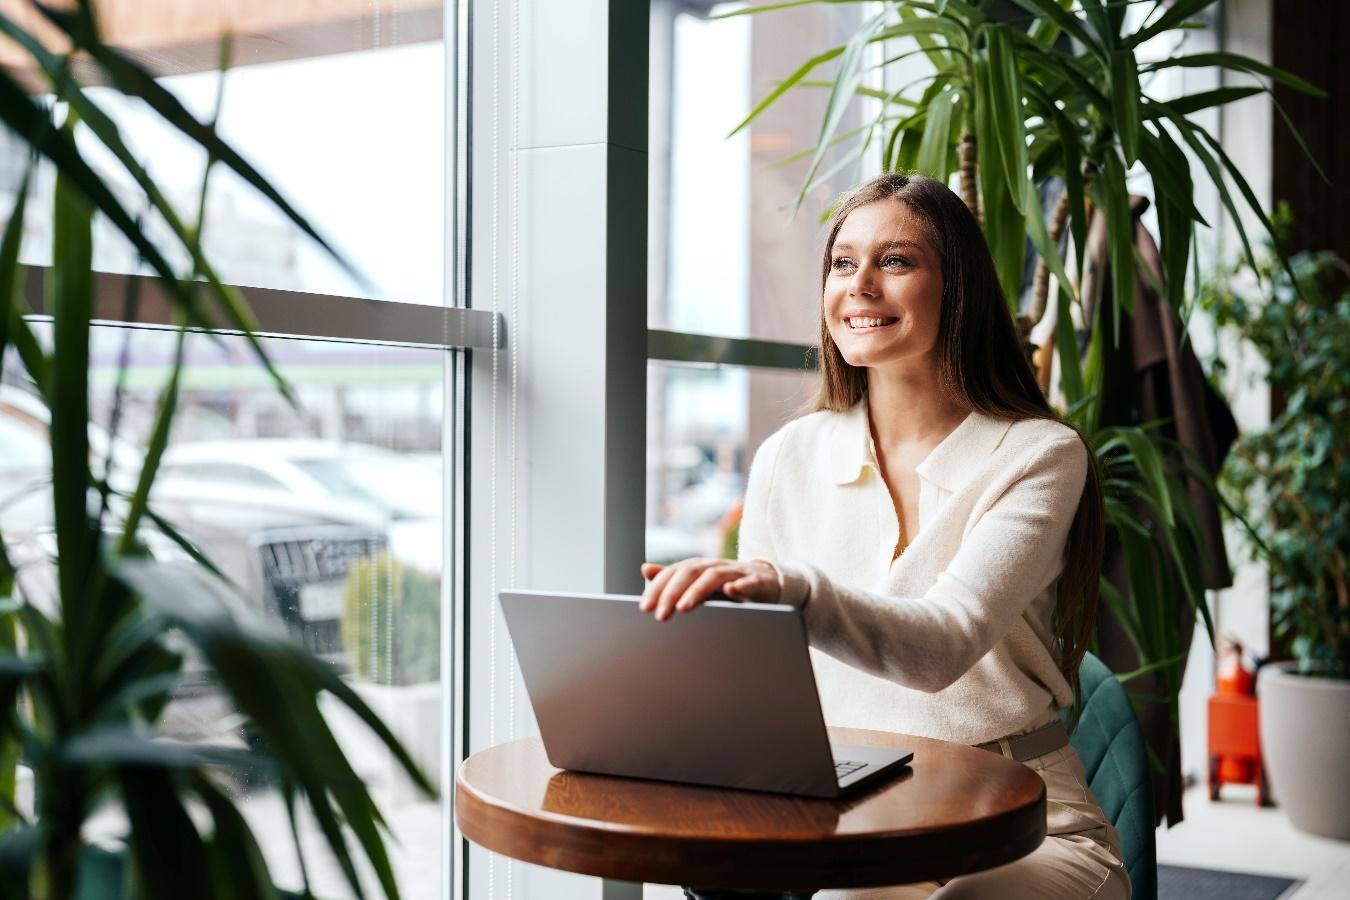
(1152, 374)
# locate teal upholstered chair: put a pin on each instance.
(1112, 749)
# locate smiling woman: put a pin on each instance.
(938, 526)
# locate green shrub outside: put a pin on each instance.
(391, 623)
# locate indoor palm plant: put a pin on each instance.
(1011, 107)
(1295, 477)
(86, 673)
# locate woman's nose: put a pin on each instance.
(862, 281)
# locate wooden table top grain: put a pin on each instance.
(954, 810)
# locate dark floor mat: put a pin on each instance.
(1185, 883)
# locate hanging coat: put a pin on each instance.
(1152, 373)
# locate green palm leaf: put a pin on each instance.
(1114, 198)
(1193, 103)
(1065, 20)
(1174, 218)
(1190, 133)
(1005, 96)
(154, 452)
(9, 272)
(786, 84)
(277, 685)
(1176, 14)
(236, 864)
(1125, 102)
(935, 147)
(1226, 60)
(29, 348)
(72, 304)
(1066, 347)
(846, 83)
(1101, 22)
(167, 850)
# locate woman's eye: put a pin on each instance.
(895, 261)
(843, 262)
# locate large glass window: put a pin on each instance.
(326, 515)
(326, 518)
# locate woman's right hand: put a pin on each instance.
(682, 586)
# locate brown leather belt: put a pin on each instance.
(1023, 747)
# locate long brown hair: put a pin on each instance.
(981, 366)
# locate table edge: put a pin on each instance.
(642, 855)
(607, 828)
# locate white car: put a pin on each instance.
(359, 482)
(283, 519)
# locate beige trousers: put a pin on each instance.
(1079, 859)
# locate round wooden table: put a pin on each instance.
(954, 810)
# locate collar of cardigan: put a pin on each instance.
(949, 465)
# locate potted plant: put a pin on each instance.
(1053, 97)
(1294, 479)
(90, 659)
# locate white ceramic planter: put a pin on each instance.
(1305, 740)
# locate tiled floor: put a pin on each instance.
(1233, 834)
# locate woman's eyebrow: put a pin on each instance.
(909, 245)
(886, 245)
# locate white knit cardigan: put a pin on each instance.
(953, 639)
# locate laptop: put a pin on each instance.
(723, 696)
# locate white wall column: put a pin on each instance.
(557, 418)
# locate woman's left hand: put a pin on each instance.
(681, 586)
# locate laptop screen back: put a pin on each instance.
(724, 695)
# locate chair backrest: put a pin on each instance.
(1111, 746)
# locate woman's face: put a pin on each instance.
(883, 294)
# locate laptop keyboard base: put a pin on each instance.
(844, 768)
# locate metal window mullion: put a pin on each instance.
(292, 314)
(709, 349)
(455, 445)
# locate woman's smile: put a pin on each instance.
(869, 323)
